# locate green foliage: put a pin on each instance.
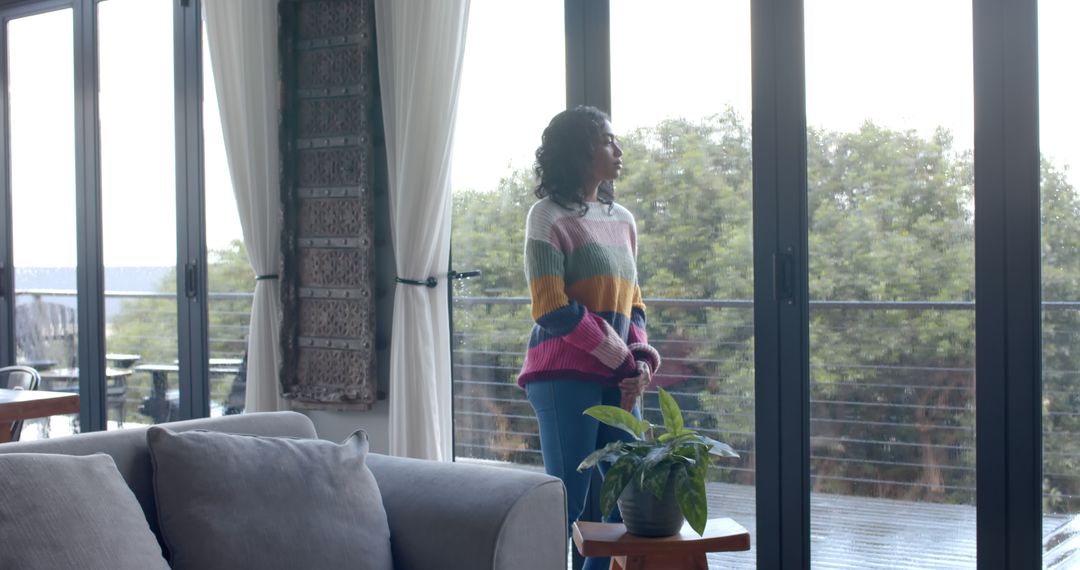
(652, 459)
(147, 326)
(891, 220)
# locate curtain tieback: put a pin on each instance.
(432, 281)
(267, 276)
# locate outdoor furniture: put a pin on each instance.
(67, 380)
(683, 551)
(39, 365)
(157, 404)
(17, 378)
(122, 360)
(163, 403)
(19, 405)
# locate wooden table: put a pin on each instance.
(18, 405)
(67, 380)
(683, 551)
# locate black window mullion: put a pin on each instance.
(90, 273)
(781, 330)
(588, 53)
(588, 82)
(1007, 283)
(192, 312)
(7, 272)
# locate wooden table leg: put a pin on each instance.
(660, 562)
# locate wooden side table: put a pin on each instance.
(683, 551)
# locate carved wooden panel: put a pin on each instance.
(334, 166)
(329, 84)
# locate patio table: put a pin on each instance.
(18, 405)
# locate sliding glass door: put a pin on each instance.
(884, 140)
(40, 97)
(1060, 151)
(688, 180)
(138, 179)
(513, 82)
(891, 282)
(103, 188)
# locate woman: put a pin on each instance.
(588, 345)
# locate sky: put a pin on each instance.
(903, 64)
(137, 139)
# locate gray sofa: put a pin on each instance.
(441, 515)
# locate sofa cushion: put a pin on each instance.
(65, 511)
(246, 501)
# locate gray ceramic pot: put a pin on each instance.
(645, 515)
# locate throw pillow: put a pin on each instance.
(245, 501)
(67, 511)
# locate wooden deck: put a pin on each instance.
(865, 533)
(857, 532)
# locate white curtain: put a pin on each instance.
(243, 36)
(420, 45)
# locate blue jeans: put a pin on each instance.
(567, 436)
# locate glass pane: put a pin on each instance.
(688, 181)
(138, 178)
(512, 84)
(230, 278)
(41, 92)
(891, 248)
(1059, 118)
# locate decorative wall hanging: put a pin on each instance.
(329, 91)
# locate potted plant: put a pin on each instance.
(657, 480)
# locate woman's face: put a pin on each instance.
(607, 159)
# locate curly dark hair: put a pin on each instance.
(565, 158)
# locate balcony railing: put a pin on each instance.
(892, 403)
(142, 324)
(882, 428)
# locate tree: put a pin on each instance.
(147, 326)
(890, 220)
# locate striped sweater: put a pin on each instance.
(582, 273)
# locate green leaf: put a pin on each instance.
(609, 453)
(701, 467)
(719, 448)
(656, 454)
(615, 480)
(615, 416)
(684, 459)
(690, 493)
(655, 480)
(673, 419)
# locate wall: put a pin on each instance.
(336, 426)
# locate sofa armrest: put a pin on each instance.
(457, 515)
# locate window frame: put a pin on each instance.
(191, 259)
(1007, 272)
(1008, 353)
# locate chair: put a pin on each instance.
(18, 378)
(234, 403)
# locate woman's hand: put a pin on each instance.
(633, 387)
